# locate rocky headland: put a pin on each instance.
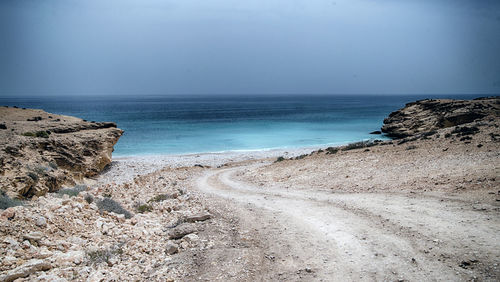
(426, 116)
(42, 152)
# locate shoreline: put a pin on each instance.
(125, 168)
(284, 149)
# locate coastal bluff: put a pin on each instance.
(425, 116)
(40, 152)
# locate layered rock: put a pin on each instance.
(428, 115)
(40, 152)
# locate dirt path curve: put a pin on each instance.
(325, 236)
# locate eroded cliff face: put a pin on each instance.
(40, 152)
(425, 116)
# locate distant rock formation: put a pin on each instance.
(428, 115)
(40, 152)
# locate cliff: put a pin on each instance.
(40, 152)
(426, 116)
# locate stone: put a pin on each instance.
(25, 270)
(13, 244)
(171, 248)
(133, 221)
(9, 214)
(198, 217)
(33, 237)
(182, 230)
(71, 257)
(191, 238)
(41, 222)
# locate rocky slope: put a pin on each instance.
(426, 116)
(40, 152)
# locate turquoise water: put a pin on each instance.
(196, 124)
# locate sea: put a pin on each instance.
(192, 124)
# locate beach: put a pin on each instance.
(422, 207)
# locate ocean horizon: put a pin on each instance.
(195, 124)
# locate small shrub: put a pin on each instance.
(89, 198)
(331, 150)
(158, 198)
(358, 145)
(42, 134)
(320, 151)
(110, 205)
(279, 159)
(6, 202)
(40, 169)
(144, 208)
(301, 157)
(33, 175)
(53, 165)
(72, 192)
(100, 256)
(447, 135)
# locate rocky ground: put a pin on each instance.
(424, 207)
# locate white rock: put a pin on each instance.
(33, 236)
(26, 270)
(51, 278)
(96, 277)
(13, 244)
(9, 260)
(191, 238)
(41, 222)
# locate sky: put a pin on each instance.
(156, 47)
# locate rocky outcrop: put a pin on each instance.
(428, 115)
(40, 152)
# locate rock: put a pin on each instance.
(8, 260)
(26, 270)
(9, 214)
(191, 238)
(33, 237)
(41, 222)
(376, 132)
(3, 126)
(97, 276)
(171, 248)
(182, 230)
(40, 157)
(426, 116)
(13, 244)
(68, 258)
(198, 217)
(133, 221)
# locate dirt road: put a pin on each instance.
(326, 236)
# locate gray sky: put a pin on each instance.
(249, 47)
